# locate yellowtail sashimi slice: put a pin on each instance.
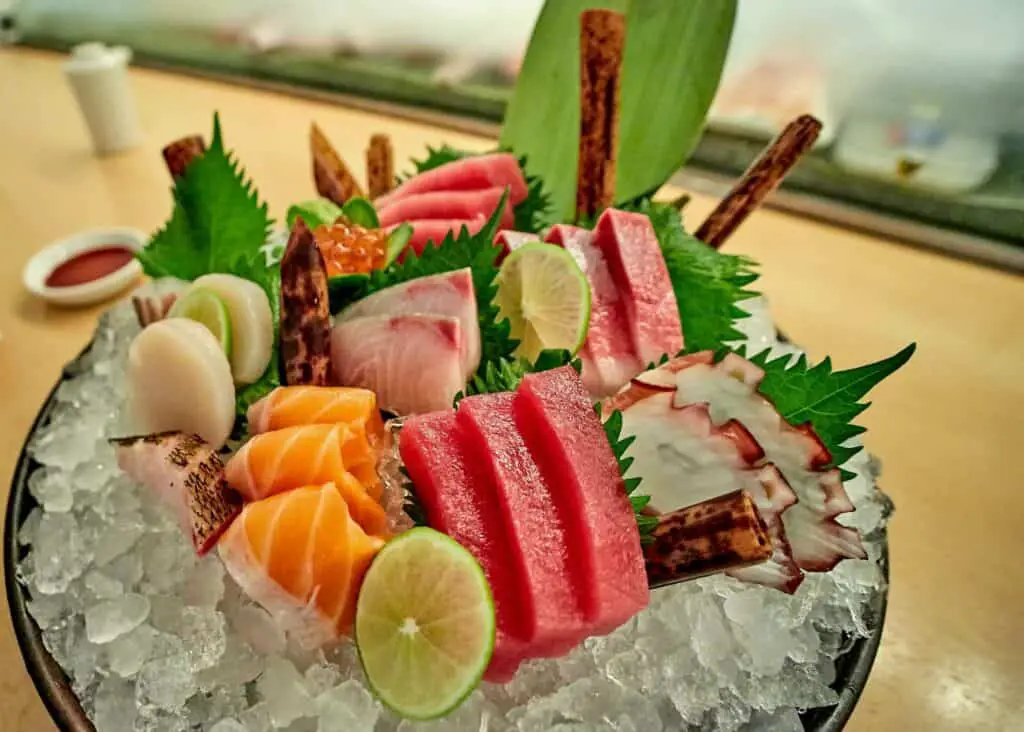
(424, 624)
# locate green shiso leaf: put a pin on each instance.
(476, 251)
(506, 373)
(673, 61)
(219, 225)
(361, 212)
(436, 157)
(829, 400)
(620, 445)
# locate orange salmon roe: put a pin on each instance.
(348, 248)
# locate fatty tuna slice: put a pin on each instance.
(608, 356)
(539, 546)
(568, 442)
(448, 484)
(630, 247)
(449, 293)
(468, 174)
(425, 231)
(508, 241)
(446, 205)
(413, 362)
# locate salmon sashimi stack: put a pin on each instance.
(301, 556)
(634, 317)
(291, 406)
(528, 483)
(278, 461)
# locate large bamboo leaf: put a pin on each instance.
(675, 50)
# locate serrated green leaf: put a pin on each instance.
(828, 399)
(505, 375)
(673, 61)
(436, 157)
(619, 444)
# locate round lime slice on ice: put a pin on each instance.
(206, 308)
(424, 624)
(546, 298)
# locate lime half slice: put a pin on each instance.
(205, 307)
(424, 624)
(546, 298)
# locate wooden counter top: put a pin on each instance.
(947, 427)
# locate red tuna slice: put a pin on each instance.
(508, 241)
(413, 362)
(495, 170)
(539, 546)
(449, 293)
(566, 439)
(446, 205)
(425, 231)
(638, 270)
(454, 490)
(609, 358)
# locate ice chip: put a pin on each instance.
(111, 619)
(202, 632)
(348, 707)
(228, 725)
(47, 610)
(320, 677)
(103, 587)
(166, 682)
(283, 689)
(114, 708)
(205, 586)
(52, 489)
(259, 630)
(126, 654)
(257, 718)
(60, 553)
(30, 526)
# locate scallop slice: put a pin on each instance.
(252, 323)
(180, 380)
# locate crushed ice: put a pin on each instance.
(154, 639)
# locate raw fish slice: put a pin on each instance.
(446, 205)
(729, 388)
(188, 475)
(413, 362)
(540, 546)
(448, 293)
(566, 439)
(293, 406)
(682, 459)
(444, 476)
(609, 358)
(300, 555)
(278, 461)
(509, 241)
(467, 174)
(630, 248)
(425, 231)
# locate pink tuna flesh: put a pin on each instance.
(539, 546)
(449, 293)
(508, 241)
(609, 358)
(568, 443)
(468, 174)
(630, 247)
(448, 482)
(425, 231)
(446, 205)
(413, 362)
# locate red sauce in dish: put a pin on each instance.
(89, 266)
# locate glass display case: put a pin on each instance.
(923, 121)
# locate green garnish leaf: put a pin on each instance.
(829, 400)
(398, 239)
(476, 251)
(674, 55)
(315, 213)
(361, 212)
(506, 373)
(436, 157)
(411, 502)
(620, 445)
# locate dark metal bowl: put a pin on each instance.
(852, 668)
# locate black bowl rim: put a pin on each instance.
(852, 668)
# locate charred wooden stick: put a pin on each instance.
(724, 533)
(180, 153)
(760, 179)
(332, 177)
(602, 39)
(380, 166)
(305, 312)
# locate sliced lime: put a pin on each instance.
(205, 307)
(424, 624)
(546, 298)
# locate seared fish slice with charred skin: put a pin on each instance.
(305, 311)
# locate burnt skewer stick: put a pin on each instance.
(180, 153)
(332, 177)
(380, 166)
(305, 311)
(761, 178)
(602, 40)
(709, 537)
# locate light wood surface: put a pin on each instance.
(948, 427)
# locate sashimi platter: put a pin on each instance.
(436, 451)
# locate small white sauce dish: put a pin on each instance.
(45, 261)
